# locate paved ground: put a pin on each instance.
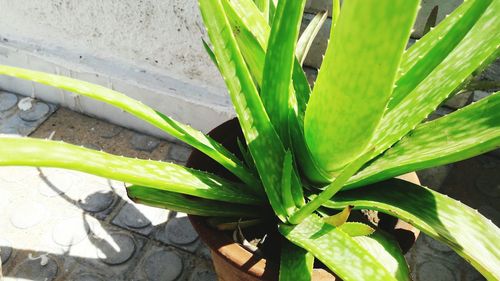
(62, 225)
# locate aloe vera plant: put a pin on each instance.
(335, 147)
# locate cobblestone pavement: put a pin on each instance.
(63, 225)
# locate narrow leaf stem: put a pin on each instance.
(333, 188)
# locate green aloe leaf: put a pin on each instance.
(263, 142)
(387, 251)
(467, 232)
(209, 52)
(263, 6)
(479, 45)
(470, 131)
(330, 189)
(188, 204)
(276, 90)
(248, 34)
(307, 37)
(355, 82)
(339, 218)
(155, 174)
(183, 132)
(250, 16)
(422, 58)
(337, 250)
(254, 55)
(355, 229)
(250, 47)
(296, 263)
(286, 184)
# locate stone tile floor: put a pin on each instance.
(63, 225)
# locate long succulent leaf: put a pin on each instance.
(255, 56)
(263, 6)
(263, 142)
(388, 253)
(276, 90)
(247, 34)
(467, 232)
(210, 53)
(480, 44)
(183, 132)
(339, 252)
(470, 131)
(308, 36)
(355, 229)
(188, 204)
(286, 184)
(433, 48)
(250, 47)
(250, 16)
(159, 175)
(425, 44)
(372, 56)
(295, 263)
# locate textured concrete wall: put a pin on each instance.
(159, 34)
(148, 49)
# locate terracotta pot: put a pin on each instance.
(232, 261)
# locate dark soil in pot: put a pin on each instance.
(231, 259)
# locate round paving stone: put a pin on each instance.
(144, 142)
(163, 265)
(205, 275)
(180, 231)
(36, 269)
(436, 271)
(132, 217)
(112, 256)
(97, 202)
(28, 215)
(489, 184)
(5, 250)
(37, 111)
(87, 277)
(7, 101)
(110, 133)
(70, 232)
(436, 245)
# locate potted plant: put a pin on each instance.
(306, 153)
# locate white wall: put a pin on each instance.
(149, 49)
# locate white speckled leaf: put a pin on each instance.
(276, 91)
(263, 6)
(250, 16)
(388, 253)
(339, 252)
(470, 131)
(183, 132)
(254, 57)
(187, 204)
(434, 47)
(263, 142)
(356, 79)
(295, 264)
(478, 46)
(308, 36)
(159, 175)
(355, 229)
(467, 232)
